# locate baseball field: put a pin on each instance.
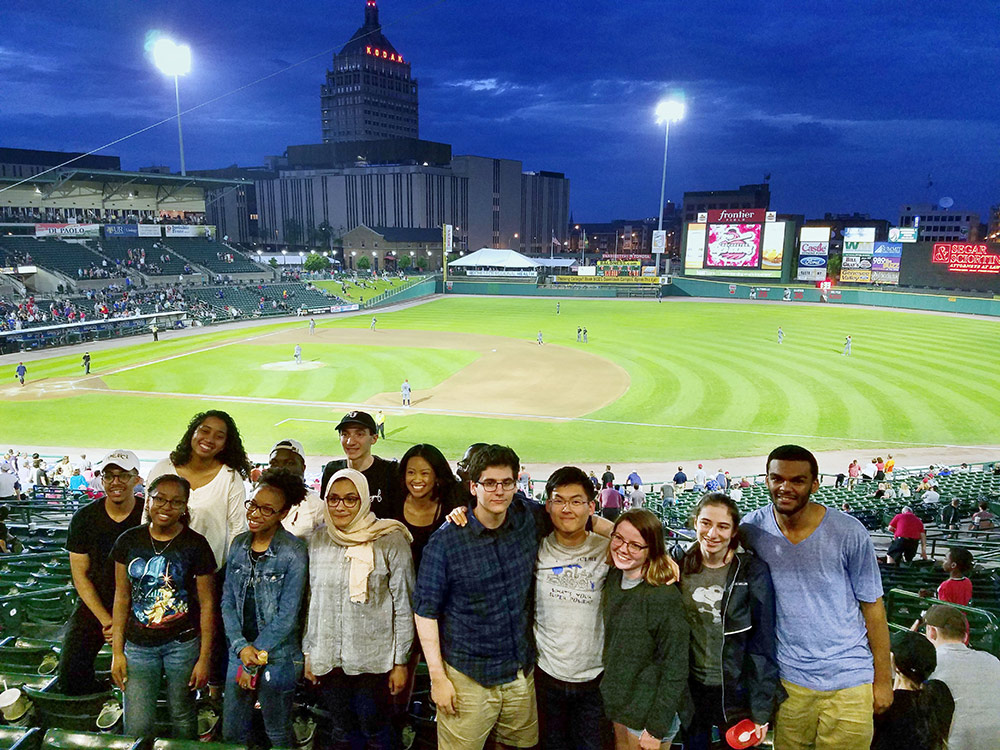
(656, 381)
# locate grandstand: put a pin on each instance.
(117, 248)
(206, 253)
(247, 299)
(66, 257)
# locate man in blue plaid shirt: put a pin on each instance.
(473, 611)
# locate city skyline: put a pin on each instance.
(848, 109)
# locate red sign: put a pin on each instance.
(383, 54)
(965, 257)
(737, 216)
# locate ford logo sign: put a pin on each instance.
(812, 260)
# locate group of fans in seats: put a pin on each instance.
(539, 624)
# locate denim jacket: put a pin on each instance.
(279, 580)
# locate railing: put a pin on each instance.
(380, 299)
(903, 608)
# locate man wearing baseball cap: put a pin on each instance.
(358, 433)
(972, 676)
(92, 533)
(303, 519)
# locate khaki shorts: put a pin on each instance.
(825, 719)
(506, 712)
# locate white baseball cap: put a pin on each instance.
(289, 445)
(125, 459)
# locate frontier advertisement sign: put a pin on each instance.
(963, 257)
(67, 230)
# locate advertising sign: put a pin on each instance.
(863, 275)
(859, 234)
(964, 257)
(67, 230)
(733, 246)
(903, 234)
(812, 268)
(448, 237)
(772, 250)
(888, 249)
(694, 253)
(607, 279)
(856, 261)
(188, 230)
(659, 240)
(814, 234)
(882, 263)
(150, 230)
(814, 248)
(737, 216)
(121, 230)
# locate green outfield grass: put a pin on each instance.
(357, 293)
(707, 379)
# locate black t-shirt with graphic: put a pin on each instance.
(383, 481)
(164, 592)
(93, 532)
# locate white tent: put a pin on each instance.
(499, 258)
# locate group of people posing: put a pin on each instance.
(539, 623)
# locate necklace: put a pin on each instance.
(152, 542)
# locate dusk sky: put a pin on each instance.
(851, 106)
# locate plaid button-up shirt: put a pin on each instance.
(478, 584)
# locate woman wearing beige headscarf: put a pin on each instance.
(359, 627)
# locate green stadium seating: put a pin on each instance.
(17, 738)
(61, 739)
(74, 712)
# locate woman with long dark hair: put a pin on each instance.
(428, 492)
(163, 618)
(729, 603)
(645, 636)
(211, 457)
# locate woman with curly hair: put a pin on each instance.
(212, 458)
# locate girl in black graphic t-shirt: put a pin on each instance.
(163, 611)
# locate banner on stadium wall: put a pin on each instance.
(694, 253)
(67, 230)
(150, 230)
(812, 268)
(530, 273)
(619, 267)
(857, 275)
(608, 279)
(188, 230)
(121, 230)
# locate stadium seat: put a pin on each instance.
(16, 738)
(61, 739)
(74, 712)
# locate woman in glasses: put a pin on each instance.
(359, 626)
(645, 636)
(261, 600)
(162, 622)
(729, 602)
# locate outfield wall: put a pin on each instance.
(521, 289)
(688, 287)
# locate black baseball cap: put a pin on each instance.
(362, 418)
(914, 655)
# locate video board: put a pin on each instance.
(735, 242)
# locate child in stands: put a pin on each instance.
(958, 588)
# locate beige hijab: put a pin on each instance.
(357, 538)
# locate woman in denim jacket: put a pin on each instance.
(261, 604)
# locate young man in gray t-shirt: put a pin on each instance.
(569, 632)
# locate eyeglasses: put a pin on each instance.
(575, 504)
(122, 477)
(348, 501)
(490, 485)
(617, 540)
(158, 501)
(264, 511)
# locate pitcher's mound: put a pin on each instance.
(292, 366)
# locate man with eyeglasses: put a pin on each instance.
(472, 611)
(92, 533)
(569, 629)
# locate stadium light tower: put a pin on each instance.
(174, 60)
(667, 111)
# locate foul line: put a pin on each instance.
(507, 415)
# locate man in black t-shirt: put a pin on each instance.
(92, 533)
(358, 434)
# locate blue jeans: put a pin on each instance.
(146, 666)
(570, 714)
(275, 691)
(359, 711)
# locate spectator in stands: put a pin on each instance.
(922, 709)
(428, 492)
(668, 494)
(983, 519)
(930, 497)
(633, 478)
(77, 483)
(880, 491)
(266, 575)
(853, 473)
(646, 636)
(305, 517)
(700, 477)
(890, 493)
(869, 470)
(358, 434)
(360, 573)
(957, 589)
(10, 487)
(879, 469)
(833, 638)
(607, 476)
(611, 502)
(163, 612)
(729, 603)
(950, 515)
(972, 676)
(890, 466)
(904, 491)
(636, 498)
(472, 610)
(907, 529)
(680, 478)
